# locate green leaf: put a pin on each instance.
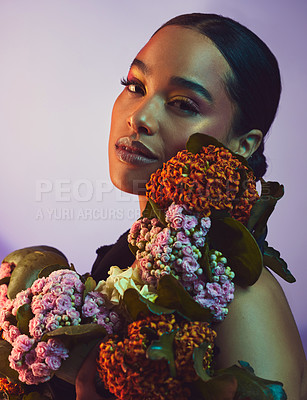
(148, 211)
(11, 318)
(137, 305)
(133, 249)
(239, 247)
(199, 140)
(29, 266)
(272, 259)
(19, 254)
(71, 335)
(250, 385)
(160, 214)
(134, 305)
(5, 351)
(45, 272)
(163, 348)
(90, 285)
(71, 366)
(205, 263)
(33, 396)
(218, 388)
(24, 315)
(198, 359)
(271, 192)
(171, 294)
(5, 281)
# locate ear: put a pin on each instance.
(247, 144)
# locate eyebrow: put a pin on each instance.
(196, 87)
(142, 66)
(177, 80)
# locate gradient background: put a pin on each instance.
(60, 66)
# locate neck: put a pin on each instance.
(142, 202)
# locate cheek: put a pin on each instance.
(118, 116)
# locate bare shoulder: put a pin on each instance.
(260, 329)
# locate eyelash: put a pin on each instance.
(190, 106)
(129, 82)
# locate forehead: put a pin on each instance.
(184, 52)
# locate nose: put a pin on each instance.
(145, 118)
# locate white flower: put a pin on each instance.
(121, 280)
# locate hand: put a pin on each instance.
(85, 381)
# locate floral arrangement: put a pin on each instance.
(61, 299)
(203, 230)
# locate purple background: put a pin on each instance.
(61, 62)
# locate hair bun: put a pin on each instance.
(257, 162)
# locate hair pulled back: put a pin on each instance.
(254, 84)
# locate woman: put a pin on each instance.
(205, 73)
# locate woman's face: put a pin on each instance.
(175, 87)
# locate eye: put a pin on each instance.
(185, 105)
(133, 86)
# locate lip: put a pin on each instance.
(134, 152)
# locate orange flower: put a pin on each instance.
(212, 179)
(129, 374)
(10, 388)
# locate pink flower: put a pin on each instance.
(163, 237)
(74, 315)
(136, 226)
(13, 333)
(30, 357)
(5, 270)
(177, 222)
(35, 328)
(223, 279)
(79, 286)
(68, 281)
(165, 258)
(53, 362)
(167, 249)
(23, 343)
(189, 264)
(48, 301)
(114, 317)
(40, 369)
(205, 223)
(78, 299)
(154, 222)
(200, 242)
(189, 222)
(183, 238)
(26, 375)
(16, 354)
(187, 251)
(21, 299)
(89, 308)
(38, 285)
(154, 231)
(57, 348)
(51, 322)
(204, 302)
(173, 210)
(63, 303)
(41, 350)
(219, 269)
(156, 250)
(36, 305)
(199, 287)
(214, 289)
(189, 277)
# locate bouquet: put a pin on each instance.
(203, 230)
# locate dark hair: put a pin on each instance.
(254, 84)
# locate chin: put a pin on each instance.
(128, 184)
